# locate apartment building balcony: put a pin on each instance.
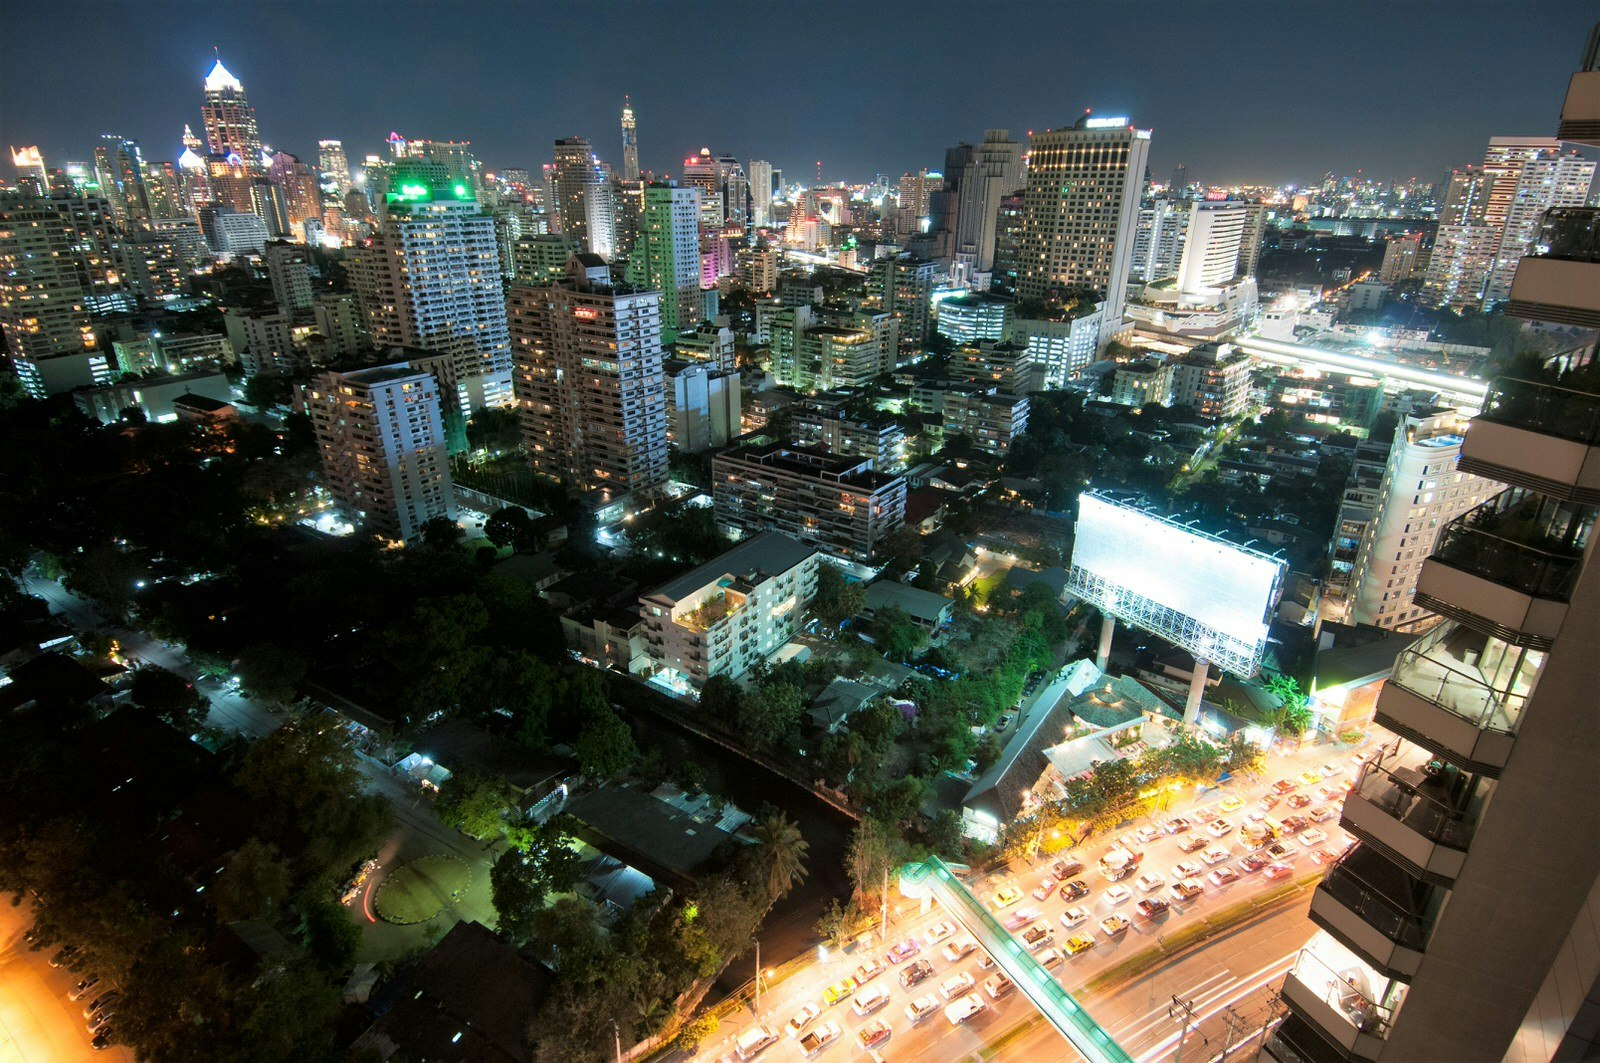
(1560, 283)
(1460, 694)
(1508, 566)
(1376, 910)
(1338, 1006)
(1580, 114)
(1540, 436)
(1420, 815)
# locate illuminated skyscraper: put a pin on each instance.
(760, 192)
(584, 207)
(666, 257)
(120, 171)
(993, 169)
(229, 120)
(724, 189)
(630, 143)
(430, 278)
(334, 166)
(31, 173)
(1081, 209)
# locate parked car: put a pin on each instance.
(64, 955)
(83, 988)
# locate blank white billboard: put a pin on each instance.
(1127, 561)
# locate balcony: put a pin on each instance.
(1560, 282)
(1538, 435)
(1580, 114)
(1407, 813)
(1508, 566)
(1460, 693)
(1376, 910)
(1337, 1005)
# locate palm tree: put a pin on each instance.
(782, 850)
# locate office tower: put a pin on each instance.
(1081, 207)
(724, 189)
(903, 286)
(228, 118)
(703, 407)
(733, 612)
(993, 169)
(837, 504)
(1211, 252)
(229, 232)
(1159, 239)
(666, 255)
(1250, 241)
(381, 435)
(1402, 258)
(1061, 341)
(164, 186)
(1422, 491)
(584, 207)
(760, 192)
(61, 260)
(289, 269)
(335, 168)
(429, 278)
(589, 381)
(1008, 243)
(32, 176)
(302, 197)
(915, 191)
(630, 143)
(1180, 179)
(1488, 791)
(120, 171)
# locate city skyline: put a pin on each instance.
(1226, 132)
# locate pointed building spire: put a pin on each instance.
(221, 79)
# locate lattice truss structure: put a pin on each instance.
(1232, 655)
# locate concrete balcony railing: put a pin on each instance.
(1580, 114)
(1538, 435)
(1404, 814)
(1336, 1005)
(1508, 566)
(1560, 282)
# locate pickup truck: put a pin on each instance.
(823, 1035)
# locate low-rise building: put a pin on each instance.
(839, 504)
(992, 422)
(154, 395)
(1141, 382)
(1214, 379)
(928, 610)
(731, 613)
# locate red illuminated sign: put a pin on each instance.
(584, 313)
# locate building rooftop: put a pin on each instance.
(754, 560)
(807, 461)
(998, 791)
(913, 601)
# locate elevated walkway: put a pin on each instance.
(933, 878)
(1465, 390)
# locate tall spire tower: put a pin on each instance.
(229, 120)
(630, 143)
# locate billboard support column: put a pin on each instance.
(1197, 691)
(1102, 657)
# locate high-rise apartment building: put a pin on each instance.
(820, 348)
(228, 118)
(1211, 250)
(1487, 792)
(381, 435)
(724, 189)
(589, 381)
(61, 259)
(1402, 258)
(430, 279)
(840, 505)
(289, 269)
(1422, 491)
(1081, 211)
(903, 286)
(119, 168)
(993, 171)
(630, 143)
(541, 259)
(585, 209)
(666, 255)
(1159, 238)
(703, 407)
(1549, 180)
(1213, 379)
(760, 172)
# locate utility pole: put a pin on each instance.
(884, 925)
(1236, 1025)
(1183, 1012)
(758, 978)
(616, 1032)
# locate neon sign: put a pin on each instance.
(1106, 123)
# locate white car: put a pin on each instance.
(1118, 894)
(1186, 890)
(1187, 869)
(1074, 917)
(1146, 835)
(1219, 827)
(1049, 958)
(820, 1038)
(1021, 917)
(1216, 855)
(957, 984)
(921, 1008)
(1313, 837)
(1150, 881)
(870, 999)
(1223, 876)
(804, 1017)
(1115, 924)
(959, 950)
(964, 1009)
(938, 932)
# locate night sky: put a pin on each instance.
(1271, 92)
